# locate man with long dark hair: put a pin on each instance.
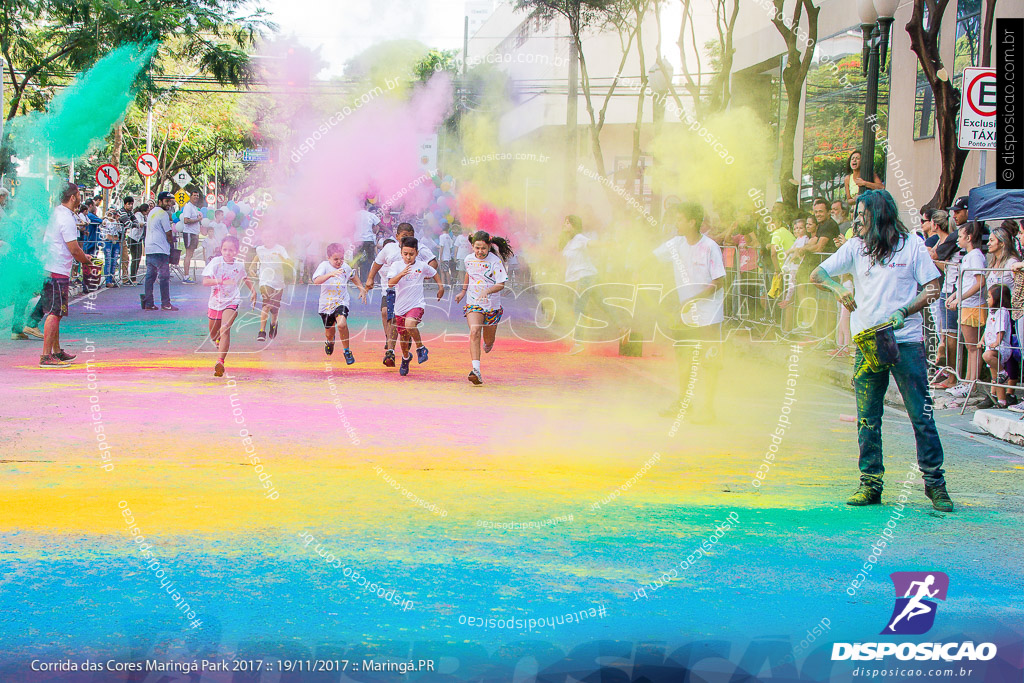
(894, 278)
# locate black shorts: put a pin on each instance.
(54, 298)
(271, 298)
(331, 319)
(190, 239)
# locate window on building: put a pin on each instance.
(967, 51)
(924, 100)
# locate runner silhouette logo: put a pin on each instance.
(916, 593)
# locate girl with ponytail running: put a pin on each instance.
(485, 277)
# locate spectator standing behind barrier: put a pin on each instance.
(134, 239)
(968, 300)
(946, 256)
(888, 268)
(1002, 254)
(111, 230)
(854, 183)
(191, 224)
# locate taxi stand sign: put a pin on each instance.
(977, 129)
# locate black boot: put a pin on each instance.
(865, 495)
(939, 496)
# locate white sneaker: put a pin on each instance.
(1016, 408)
(960, 390)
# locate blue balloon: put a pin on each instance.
(204, 211)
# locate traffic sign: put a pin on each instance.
(211, 199)
(107, 176)
(256, 155)
(147, 164)
(211, 186)
(181, 197)
(182, 178)
(978, 109)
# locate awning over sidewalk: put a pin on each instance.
(986, 203)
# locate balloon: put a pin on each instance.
(244, 209)
(445, 186)
(449, 218)
(176, 216)
(448, 178)
(229, 216)
(232, 206)
(437, 192)
(206, 222)
(204, 211)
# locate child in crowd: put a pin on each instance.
(225, 273)
(271, 261)
(215, 232)
(968, 301)
(407, 276)
(485, 277)
(794, 255)
(998, 351)
(333, 276)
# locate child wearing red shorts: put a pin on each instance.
(407, 277)
(225, 273)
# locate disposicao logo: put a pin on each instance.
(914, 614)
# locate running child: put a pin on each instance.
(1003, 360)
(485, 277)
(225, 273)
(271, 262)
(333, 276)
(406, 277)
(388, 256)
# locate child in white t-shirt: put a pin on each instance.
(272, 261)
(791, 264)
(996, 347)
(225, 273)
(333, 276)
(407, 277)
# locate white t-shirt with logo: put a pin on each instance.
(364, 226)
(229, 277)
(190, 211)
(883, 288)
(392, 253)
(273, 261)
(61, 229)
(484, 274)
(333, 291)
(409, 290)
(969, 266)
(695, 266)
(577, 262)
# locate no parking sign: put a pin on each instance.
(978, 109)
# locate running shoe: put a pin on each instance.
(389, 358)
(189, 281)
(50, 362)
(328, 348)
(403, 370)
(261, 335)
(1016, 407)
(475, 378)
(32, 332)
(18, 336)
(421, 354)
(960, 390)
(150, 308)
(169, 307)
(349, 358)
(66, 357)
(218, 369)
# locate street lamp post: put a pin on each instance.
(876, 17)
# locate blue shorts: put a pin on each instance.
(947, 318)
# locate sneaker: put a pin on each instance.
(865, 495)
(49, 362)
(18, 336)
(389, 358)
(421, 354)
(218, 369)
(261, 336)
(475, 378)
(403, 370)
(169, 307)
(576, 350)
(150, 308)
(328, 348)
(66, 357)
(940, 498)
(960, 390)
(32, 332)
(189, 281)
(1016, 407)
(349, 358)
